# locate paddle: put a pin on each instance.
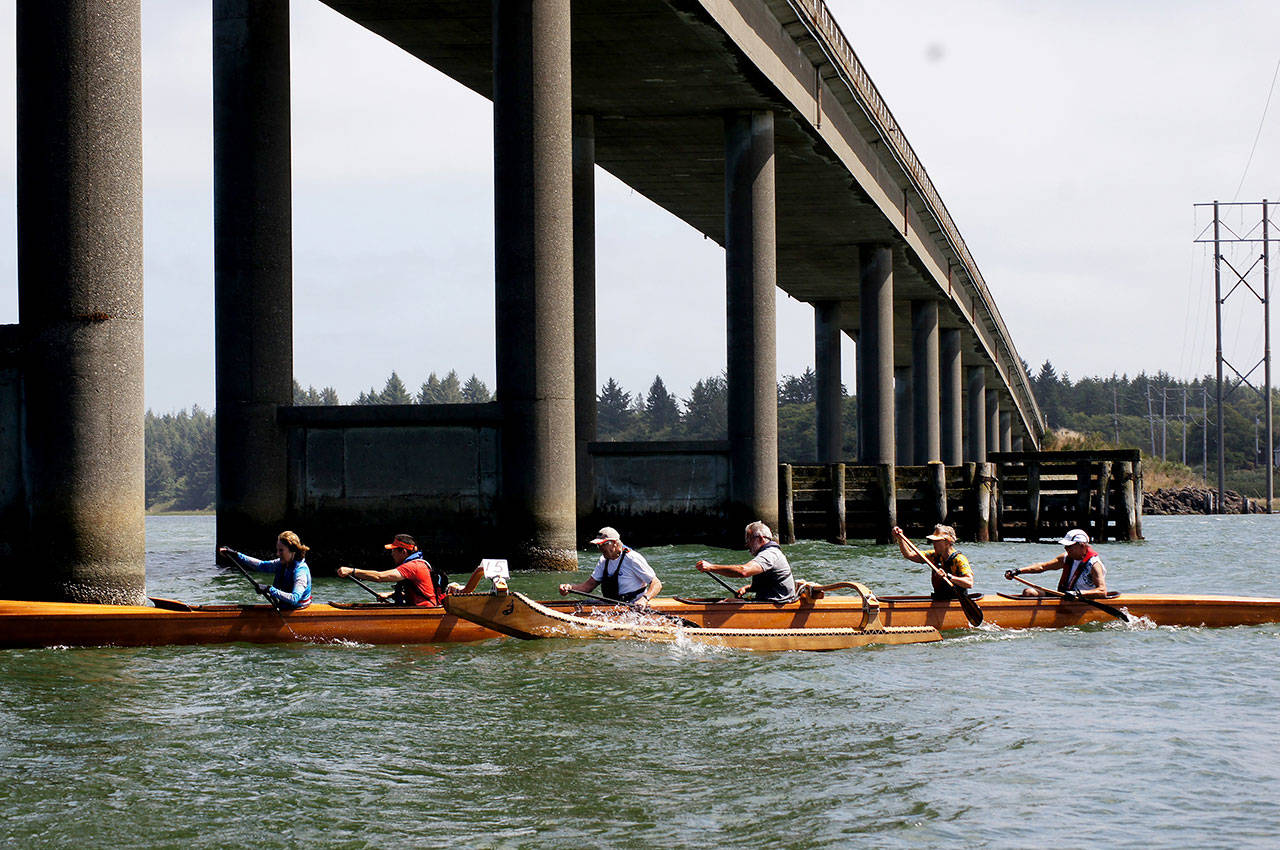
(259, 588)
(379, 596)
(262, 590)
(1115, 612)
(648, 611)
(971, 610)
(725, 585)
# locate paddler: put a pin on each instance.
(622, 573)
(417, 581)
(768, 569)
(1082, 569)
(945, 556)
(291, 585)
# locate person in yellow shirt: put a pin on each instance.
(945, 555)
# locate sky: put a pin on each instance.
(1069, 139)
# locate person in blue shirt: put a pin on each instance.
(291, 586)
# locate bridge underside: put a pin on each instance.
(658, 77)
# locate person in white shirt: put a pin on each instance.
(622, 574)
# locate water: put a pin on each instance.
(1129, 736)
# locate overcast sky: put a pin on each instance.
(1068, 139)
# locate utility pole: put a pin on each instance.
(1204, 432)
(1151, 420)
(1164, 422)
(1184, 424)
(1242, 281)
(1115, 413)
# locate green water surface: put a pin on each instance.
(1104, 735)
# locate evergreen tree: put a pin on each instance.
(371, 397)
(451, 389)
(329, 396)
(661, 414)
(798, 389)
(475, 392)
(429, 393)
(613, 410)
(706, 410)
(394, 392)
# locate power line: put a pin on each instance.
(1258, 135)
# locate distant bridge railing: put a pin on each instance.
(823, 26)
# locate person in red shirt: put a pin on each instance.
(416, 584)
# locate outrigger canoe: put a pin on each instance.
(519, 616)
(35, 624)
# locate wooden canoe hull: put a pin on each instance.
(1008, 612)
(516, 615)
(34, 624)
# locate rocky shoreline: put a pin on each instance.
(1169, 501)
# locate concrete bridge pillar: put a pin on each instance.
(875, 354)
(79, 154)
(584, 306)
(926, 378)
(1006, 431)
(751, 277)
(904, 425)
(830, 402)
(534, 259)
(253, 265)
(993, 421)
(975, 437)
(951, 398)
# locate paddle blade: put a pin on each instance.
(970, 607)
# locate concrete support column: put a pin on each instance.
(975, 437)
(751, 277)
(904, 425)
(533, 237)
(951, 398)
(993, 422)
(830, 401)
(253, 265)
(79, 152)
(875, 354)
(584, 306)
(926, 398)
(1006, 431)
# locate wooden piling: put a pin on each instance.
(1104, 501)
(938, 484)
(1033, 502)
(838, 526)
(888, 502)
(1126, 522)
(786, 505)
(980, 489)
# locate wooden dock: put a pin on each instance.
(1016, 495)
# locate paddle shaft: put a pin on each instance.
(378, 595)
(725, 585)
(635, 607)
(971, 610)
(1115, 612)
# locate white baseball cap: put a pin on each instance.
(607, 533)
(1075, 535)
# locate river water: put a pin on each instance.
(1128, 736)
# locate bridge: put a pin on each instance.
(752, 120)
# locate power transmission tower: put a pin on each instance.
(1243, 279)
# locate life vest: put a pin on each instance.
(609, 583)
(1077, 573)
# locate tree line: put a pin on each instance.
(1144, 412)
